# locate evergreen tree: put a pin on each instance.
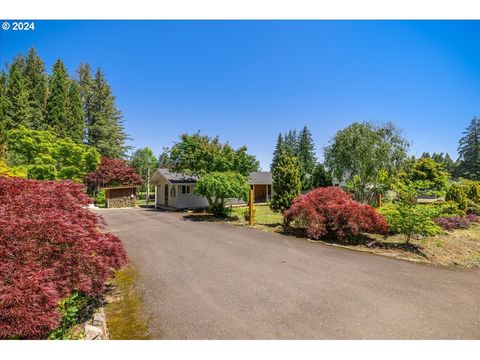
(286, 182)
(85, 81)
(105, 129)
(58, 100)
(36, 84)
(306, 157)
(449, 164)
(3, 112)
(17, 109)
(445, 160)
(425, 154)
(291, 143)
(320, 177)
(279, 149)
(76, 122)
(469, 151)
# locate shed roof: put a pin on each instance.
(260, 177)
(119, 187)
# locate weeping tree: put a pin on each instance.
(368, 157)
(218, 187)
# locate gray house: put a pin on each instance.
(175, 190)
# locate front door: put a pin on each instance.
(166, 194)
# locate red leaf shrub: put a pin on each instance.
(50, 245)
(330, 211)
(457, 222)
(113, 172)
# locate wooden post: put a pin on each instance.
(148, 187)
(379, 200)
(250, 208)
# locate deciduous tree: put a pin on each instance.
(218, 187)
(198, 154)
(366, 156)
(50, 246)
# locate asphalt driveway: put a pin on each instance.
(204, 280)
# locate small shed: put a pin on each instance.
(261, 184)
(120, 196)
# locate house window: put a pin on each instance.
(186, 189)
(172, 192)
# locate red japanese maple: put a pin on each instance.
(50, 245)
(113, 172)
(330, 211)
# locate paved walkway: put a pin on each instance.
(204, 280)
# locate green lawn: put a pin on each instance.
(263, 215)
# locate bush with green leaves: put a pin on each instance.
(286, 182)
(246, 214)
(218, 187)
(410, 220)
(456, 193)
(71, 309)
(100, 198)
(473, 193)
(44, 156)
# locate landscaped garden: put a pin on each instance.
(450, 246)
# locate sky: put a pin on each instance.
(246, 81)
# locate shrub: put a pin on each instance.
(456, 194)
(473, 193)
(473, 218)
(472, 208)
(50, 246)
(331, 212)
(70, 309)
(454, 222)
(410, 220)
(448, 208)
(286, 182)
(246, 214)
(100, 198)
(218, 187)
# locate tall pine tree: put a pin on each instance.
(469, 151)
(75, 117)
(291, 143)
(85, 81)
(3, 112)
(36, 84)
(58, 100)
(306, 157)
(279, 149)
(17, 109)
(105, 129)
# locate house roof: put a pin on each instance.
(255, 178)
(175, 178)
(260, 177)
